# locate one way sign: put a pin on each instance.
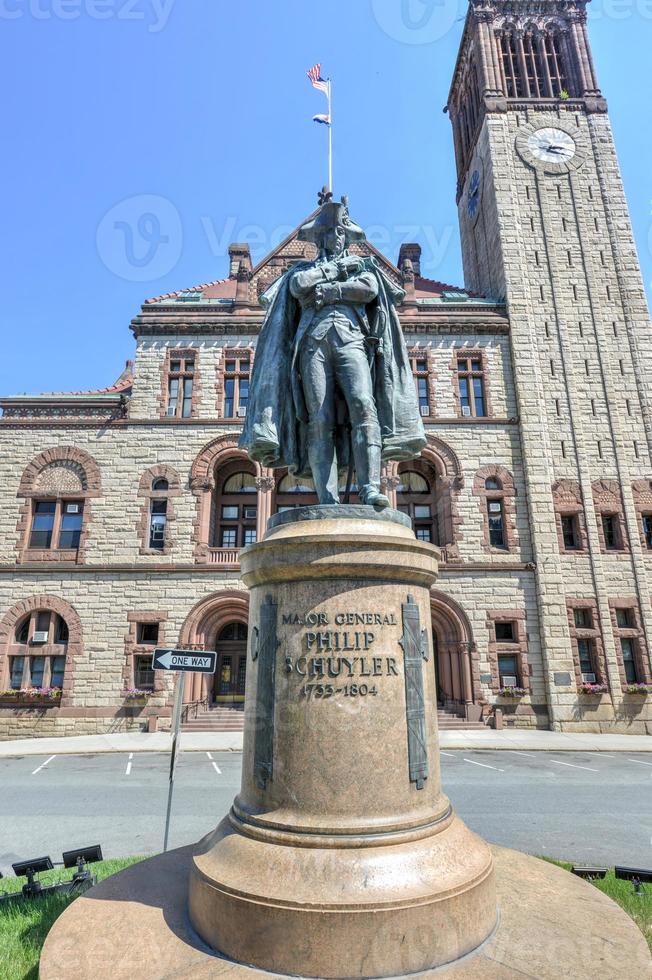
(199, 661)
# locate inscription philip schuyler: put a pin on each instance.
(339, 653)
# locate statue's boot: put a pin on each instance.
(323, 463)
(367, 465)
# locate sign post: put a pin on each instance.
(183, 662)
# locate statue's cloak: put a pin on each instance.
(275, 429)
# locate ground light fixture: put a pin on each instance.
(637, 876)
(591, 874)
(82, 879)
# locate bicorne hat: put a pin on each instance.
(330, 215)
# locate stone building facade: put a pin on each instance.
(123, 511)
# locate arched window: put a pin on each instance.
(415, 497)
(158, 485)
(230, 676)
(533, 64)
(236, 506)
(294, 491)
(493, 483)
(57, 486)
(494, 486)
(37, 652)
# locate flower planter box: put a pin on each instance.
(18, 700)
(136, 699)
(513, 693)
(638, 690)
(594, 690)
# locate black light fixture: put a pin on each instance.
(637, 876)
(590, 874)
(28, 869)
(79, 858)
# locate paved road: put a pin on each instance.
(588, 807)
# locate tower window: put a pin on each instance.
(237, 373)
(496, 520)
(421, 372)
(157, 524)
(570, 531)
(181, 373)
(471, 381)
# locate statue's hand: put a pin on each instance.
(350, 265)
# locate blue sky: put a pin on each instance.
(142, 136)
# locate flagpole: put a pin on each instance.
(330, 138)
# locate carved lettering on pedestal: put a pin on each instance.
(266, 646)
(415, 650)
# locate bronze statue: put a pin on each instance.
(331, 376)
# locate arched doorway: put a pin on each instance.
(214, 623)
(455, 658)
(231, 647)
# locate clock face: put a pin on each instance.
(473, 198)
(551, 145)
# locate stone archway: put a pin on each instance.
(203, 624)
(456, 662)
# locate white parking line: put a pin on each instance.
(209, 756)
(484, 765)
(44, 764)
(128, 769)
(640, 762)
(446, 753)
(572, 765)
(217, 768)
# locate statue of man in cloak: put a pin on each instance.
(331, 374)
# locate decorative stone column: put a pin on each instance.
(341, 857)
(265, 485)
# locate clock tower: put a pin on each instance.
(545, 228)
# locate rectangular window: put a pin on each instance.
(230, 512)
(423, 533)
(496, 523)
(629, 660)
(249, 535)
(585, 654)
(158, 521)
(625, 619)
(42, 524)
(143, 673)
(570, 532)
(229, 537)
(583, 618)
(647, 530)
(72, 519)
(610, 531)
(508, 670)
(505, 632)
(237, 373)
(420, 372)
(16, 673)
(470, 376)
(147, 633)
(180, 387)
(58, 667)
(37, 670)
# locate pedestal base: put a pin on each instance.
(552, 925)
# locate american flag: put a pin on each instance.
(314, 74)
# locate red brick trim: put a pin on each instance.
(642, 493)
(145, 491)
(225, 354)
(87, 471)
(134, 649)
(592, 633)
(75, 648)
(173, 354)
(478, 354)
(568, 502)
(607, 499)
(518, 649)
(636, 633)
(507, 494)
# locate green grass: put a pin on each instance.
(622, 892)
(24, 925)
